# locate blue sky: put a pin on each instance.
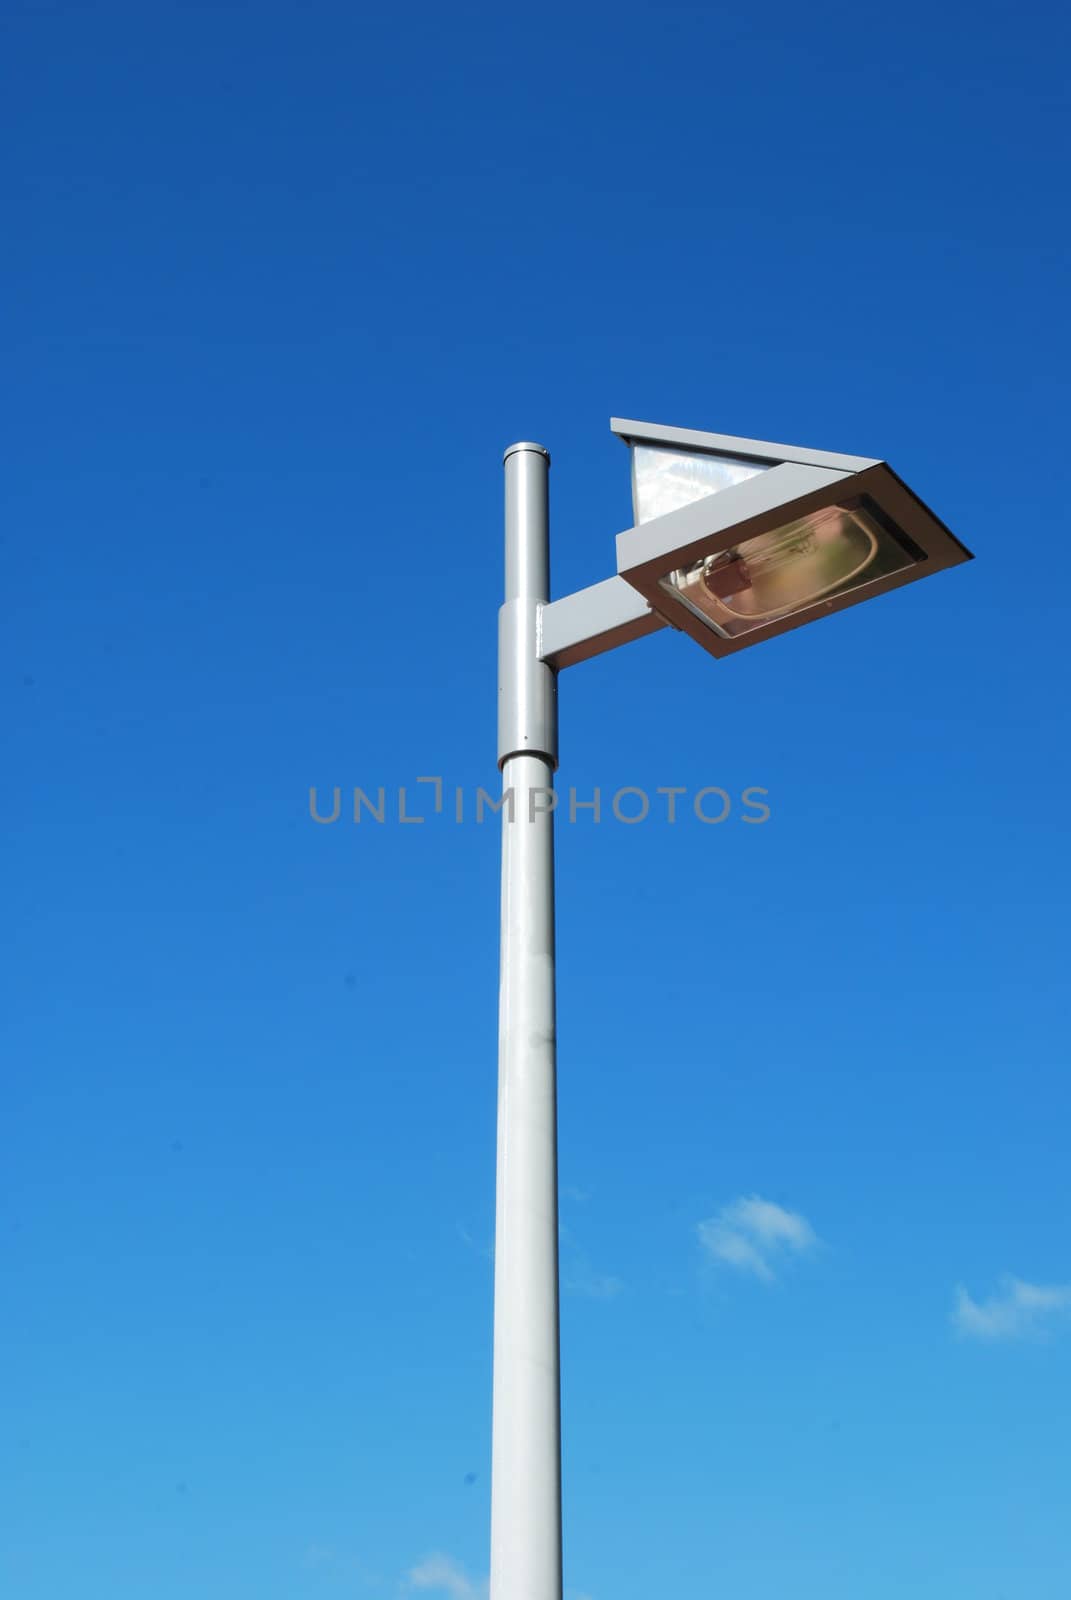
(283, 280)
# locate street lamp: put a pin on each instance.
(735, 540)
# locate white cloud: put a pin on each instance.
(1019, 1311)
(445, 1576)
(487, 1251)
(579, 1276)
(337, 1563)
(753, 1234)
(580, 1279)
(320, 1555)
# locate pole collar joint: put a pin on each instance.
(527, 687)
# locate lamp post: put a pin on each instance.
(526, 1542)
(734, 541)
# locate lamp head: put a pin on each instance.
(736, 540)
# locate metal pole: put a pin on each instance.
(526, 1543)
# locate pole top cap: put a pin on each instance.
(526, 444)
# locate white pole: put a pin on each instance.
(526, 1545)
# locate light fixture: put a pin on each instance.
(736, 540)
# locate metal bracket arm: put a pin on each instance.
(593, 620)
